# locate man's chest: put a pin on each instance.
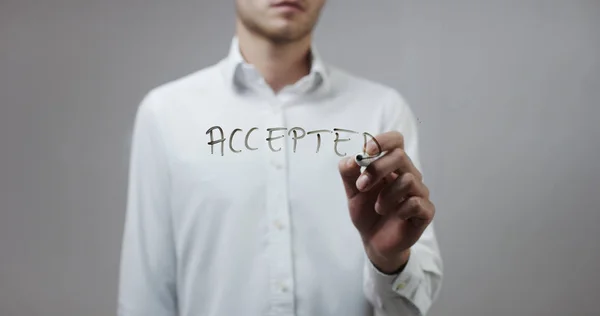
(261, 163)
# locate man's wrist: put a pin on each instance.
(391, 266)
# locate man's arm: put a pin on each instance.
(147, 272)
(415, 288)
(412, 291)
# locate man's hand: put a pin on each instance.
(388, 202)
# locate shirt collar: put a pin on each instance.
(235, 74)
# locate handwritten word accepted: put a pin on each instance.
(296, 134)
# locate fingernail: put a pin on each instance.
(378, 208)
(362, 182)
(350, 162)
(371, 148)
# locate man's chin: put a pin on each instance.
(280, 37)
(286, 34)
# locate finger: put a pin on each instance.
(385, 142)
(416, 209)
(403, 187)
(394, 161)
(349, 171)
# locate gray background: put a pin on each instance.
(507, 93)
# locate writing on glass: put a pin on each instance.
(275, 133)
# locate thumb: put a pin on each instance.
(349, 171)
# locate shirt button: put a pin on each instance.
(276, 164)
(284, 288)
(279, 225)
(400, 286)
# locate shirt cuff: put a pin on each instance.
(406, 284)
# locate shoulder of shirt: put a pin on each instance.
(193, 85)
(382, 94)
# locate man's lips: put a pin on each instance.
(289, 5)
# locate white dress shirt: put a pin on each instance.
(229, 230)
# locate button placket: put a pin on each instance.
(280, 254)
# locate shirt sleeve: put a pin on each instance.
(412, 291)
(147, 270)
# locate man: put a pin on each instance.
(244, 196)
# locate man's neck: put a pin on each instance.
(279, 64)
